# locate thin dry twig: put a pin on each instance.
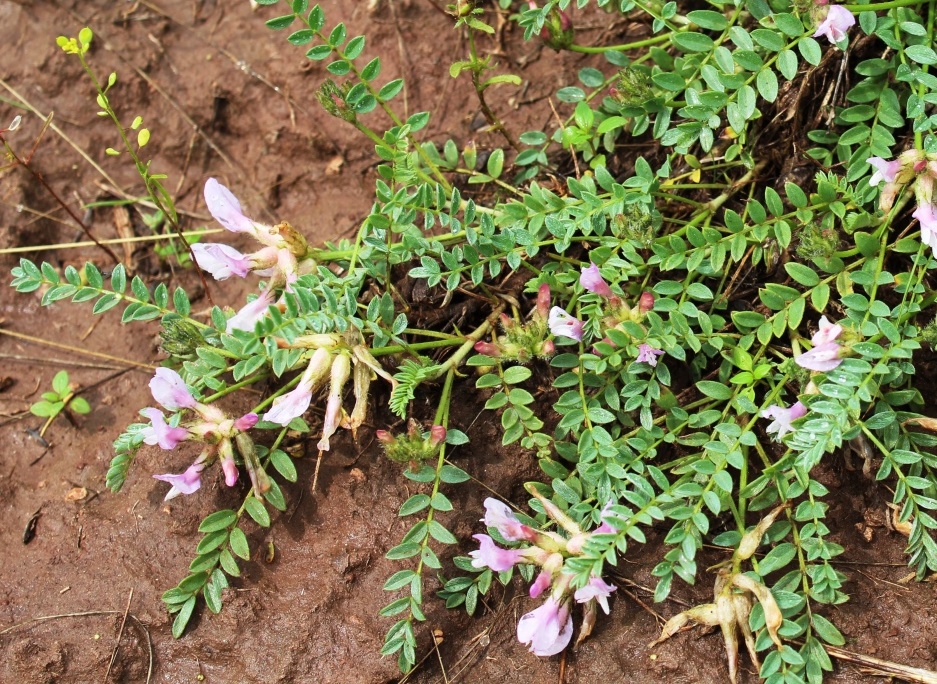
(93, 613)
(77, 350)
(120, 634)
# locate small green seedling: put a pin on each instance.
(54, 402)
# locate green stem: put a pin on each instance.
(598, 49)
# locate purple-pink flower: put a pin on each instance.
(782, 418)
(597, 589)
(546, 629)
(605, 527)
(927, 217)
(822, 358)
(541, 584)
(648, 354)
(592, 280)
(221, 260)
(184, 483)
(246, 422)
(826, 332)
(838, 20)
(490, 555)
(500, 516)
(884, 170)
(169, 390)
(563, 324)
(226, 209)
(251, 313)
(825, 355)
(159, 432)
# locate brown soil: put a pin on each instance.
(225, 97)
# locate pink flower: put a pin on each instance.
(221, 261)
(782, 418)
(341, 370)
(294, 403)
(884, 170)
(648, 354)
(605, 527)
(226, 209)
(251, 313)
(291, 405)
(838, 21)
(827, 332)
(927, 217)
(490, 555)
(186, 483)
(591, 279)
(228, 466)
(565, 325)
(645, 302)
(170, 391)
(500, 516)
(543, 581)
(822, 358)
(547, 629)
(597, 589)
(246, 422)
(159, 432)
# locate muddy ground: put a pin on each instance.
(225, 97)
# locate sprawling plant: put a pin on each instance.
(714, 322)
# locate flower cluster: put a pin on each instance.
(557, 31)
(549, 628)
(283, 257)
(523, 341)
(910, 167)
(213, 427)
(564, 324)
(335, 358)
(827, 353)
(412, 447)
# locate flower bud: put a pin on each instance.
(646, 302)
(488, 349)
(543, 301)
(437, 435)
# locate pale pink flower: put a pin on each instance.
(226, 209)
(500, 516)
(251, 313)
(822, 358)
(597, 589)
(169, 390)
(827, 332)
(340, 372)
(564, 324)
(592, 280)
(546, 629)
(927, 217)
(221, 261)
(648, 354)
(159, 432)
(838, 21)
(884, 170)
(490, 555)
(782, 418)
(294, 403)
(184, 483)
